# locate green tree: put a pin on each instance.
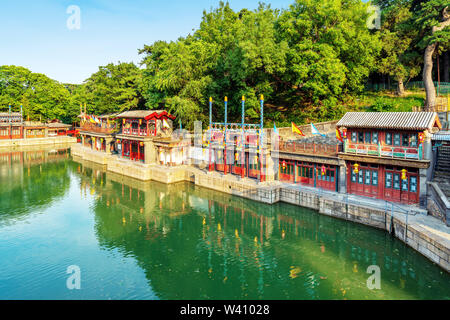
(398, 58)
(113, 88)
(40, 96)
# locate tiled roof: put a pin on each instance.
(7, 114)
(390, 120)
(441, 136)
(147, 114)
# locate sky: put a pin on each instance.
(35, 34)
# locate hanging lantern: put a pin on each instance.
(123, 121)
(140, 121)
(283, 164)
(236, 156)
(356, 168)
(141, 144)
(404, 171)
(118, 141)
(421, 137)
(323, 170)
(344, 133)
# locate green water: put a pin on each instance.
(135, 240)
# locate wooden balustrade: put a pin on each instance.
(309, 148)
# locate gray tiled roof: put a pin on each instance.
(389, 120)
(441, 136)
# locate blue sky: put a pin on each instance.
(35, 35)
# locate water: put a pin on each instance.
(135, 240)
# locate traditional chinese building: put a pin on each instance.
(388, 154)
(311, 161)
(34, 129)
(98, 134)
(140, 129)
(238, 148)
(11, 125)
(57, 128)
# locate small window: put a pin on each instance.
(413, 184)
(319, 176)
(396, 181)
(405, 185)
(360, 177)
(361, 137)
(368, 178)
(354, 137)
(310, 173)
(353, 176)
(374, 178)
(405, 140)
(397, 139)
(368, 136)
(375, 137)
(388, 180)
(413, 140)
(332, 176)
(389, 138)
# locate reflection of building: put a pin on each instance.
(388, 153)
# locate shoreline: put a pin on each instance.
(410, 224)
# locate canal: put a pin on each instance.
(136, 240)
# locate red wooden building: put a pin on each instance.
(388, 154)
(139, 129)
(309, 161)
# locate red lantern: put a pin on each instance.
(283, 164)
(344, 133)
(141, 144)
(323, 170)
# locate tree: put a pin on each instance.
(433, 19)
(113, 88)
(331, 51)
(40, 96)
(398, 59)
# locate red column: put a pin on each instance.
(139, 151)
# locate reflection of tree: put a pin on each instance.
(32, 180)
(194, 243)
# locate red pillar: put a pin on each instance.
(139, 151)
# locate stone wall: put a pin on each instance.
(8, 143)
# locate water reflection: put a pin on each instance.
(31, 180)
(193, 243)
